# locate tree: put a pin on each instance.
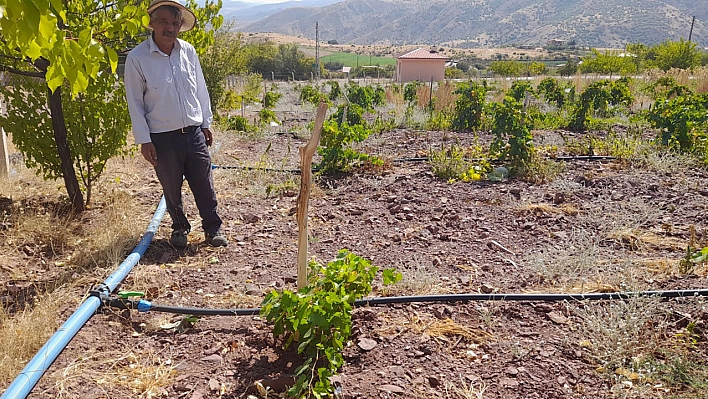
(72, 45)
(96, 123)
(506, 68)
(608, 63)
(639, 52)
(681, 55)
(64, 42)
(291, 59)
(569, 68)
(226, 57)
(261, 59)
(537, 68)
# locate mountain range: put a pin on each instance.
(478, 23)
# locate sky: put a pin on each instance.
(265, 1)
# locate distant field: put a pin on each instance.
(328, 50)
(354, 60)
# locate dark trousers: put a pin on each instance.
(186, 154)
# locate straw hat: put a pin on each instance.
(188, 18)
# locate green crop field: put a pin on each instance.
(355, 60)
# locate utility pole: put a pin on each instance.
(691, 32)
(317, 49)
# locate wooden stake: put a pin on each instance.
(4, 156)
(303, 198)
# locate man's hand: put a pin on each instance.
(149, 153)
(207, 136)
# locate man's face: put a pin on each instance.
(166, 26)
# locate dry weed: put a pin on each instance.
(424, 95)
(420, 280)
(464, 390)
(447, 327)
(144, 374)
(622, 333)
(701, 78)
(107, 247)
(571, 264)
(663, 161)
(23, 333)
(233, 300)
(445, 97)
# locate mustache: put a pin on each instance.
(169, 33)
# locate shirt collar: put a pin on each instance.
(154, 48)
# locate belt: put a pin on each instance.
(186, 130)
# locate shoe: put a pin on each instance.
(178, 239)
(216, 239)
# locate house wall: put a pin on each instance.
(420, 69)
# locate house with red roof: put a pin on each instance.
(422, 65)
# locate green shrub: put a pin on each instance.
(318, 318)
(469, 106)
(271, 98)
(519, 89)
(238, 123)
(682, 122)
(337, 155)
(512, 136)
(410, 92)
(603, 98)
(335, 91)
(457, 163)
(354, 116)
(312, 95)
(267, 116)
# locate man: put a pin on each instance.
(171, 114)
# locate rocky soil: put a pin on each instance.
(601, 226)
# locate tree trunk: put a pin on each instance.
(67, 166)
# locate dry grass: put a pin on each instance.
(465, 390)
(23, 333)
(701, 78)
(39, 225)
(141, 374)
(448, 327)
(622, 333)
(418, 280)
(233, 300)
(542, 209)
(609, 250)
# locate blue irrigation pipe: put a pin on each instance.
(40, 363)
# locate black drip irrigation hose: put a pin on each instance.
(293, 171)
(146, 306)
(416, 159)
(559, 158)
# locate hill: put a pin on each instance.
(488, 23)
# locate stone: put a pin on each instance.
(391, 388)
(557, 318)
(366, 344)
(215, 358)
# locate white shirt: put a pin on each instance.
(165, 92)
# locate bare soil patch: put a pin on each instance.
(600, 226)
